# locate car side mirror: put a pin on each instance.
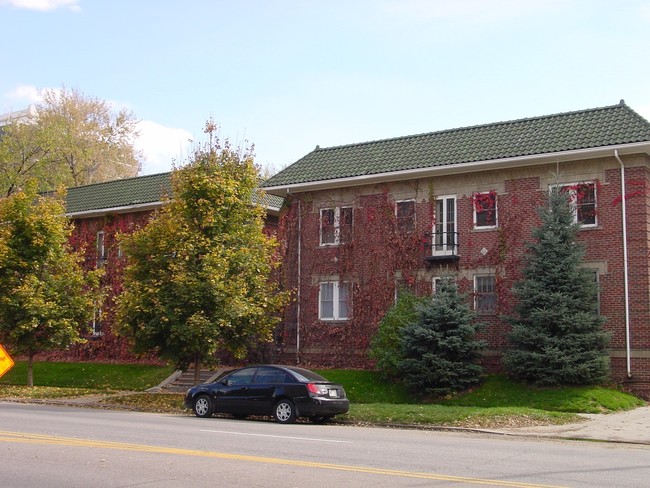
(226, 382)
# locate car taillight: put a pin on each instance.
(316, 389)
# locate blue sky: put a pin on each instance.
(288, 75)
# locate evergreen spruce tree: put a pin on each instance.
(439, 349)
(557, 334)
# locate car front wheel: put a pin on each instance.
(203, 406)
(284, 412)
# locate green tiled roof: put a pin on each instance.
(127, 192)
(593, 128)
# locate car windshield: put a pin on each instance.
(306, 375)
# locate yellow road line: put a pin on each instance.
(25, 438)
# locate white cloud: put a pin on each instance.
(26, 94)
(162, 146)
(42, 5)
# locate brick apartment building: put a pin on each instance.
(99, 212)
(361, 220)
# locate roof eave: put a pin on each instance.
(99, 212)
(490, 164)
(272, 210)
(144, 207)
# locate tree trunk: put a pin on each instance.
(197, 368)
(30, 369)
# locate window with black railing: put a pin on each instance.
(443, 246)
(444, 235)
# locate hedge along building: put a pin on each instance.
(99, 213)
(361, 220)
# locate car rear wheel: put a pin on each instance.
(203, 406)
(284, 412)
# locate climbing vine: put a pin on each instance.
(383, 252)
(104, 345)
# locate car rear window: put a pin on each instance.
(306, 375)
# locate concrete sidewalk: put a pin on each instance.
(629, 427)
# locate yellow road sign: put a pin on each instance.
(5, 361)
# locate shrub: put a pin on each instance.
(439, 349)
(386, 348)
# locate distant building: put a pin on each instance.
(18, 115)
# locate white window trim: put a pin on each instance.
(447, 249)
(435, 282)
(398, 282)
(100, 248)
(496, 210)
(335, 300)
(97, 320)
(573, 200)
(337, 225)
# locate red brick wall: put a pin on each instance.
(378, 251)
(105, 347)
(109, 347)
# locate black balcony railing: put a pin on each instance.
(442, 247)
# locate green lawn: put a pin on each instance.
(497, 402)
(97, 376)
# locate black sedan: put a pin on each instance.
(284, 392)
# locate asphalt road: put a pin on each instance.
(44, 446)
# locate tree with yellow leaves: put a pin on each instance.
(46, 298)
(198, 275)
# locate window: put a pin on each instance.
(485, 210)
(403, 286)
(242, 377)
(333, 301)
(444, 229)
(266, 375)
(582, 198)
(97, 323)
(485, 294)
(101, 249)
(335, 225)
(436, 281)
(405, 213)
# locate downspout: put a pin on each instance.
(625, 268)
(298, 309)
